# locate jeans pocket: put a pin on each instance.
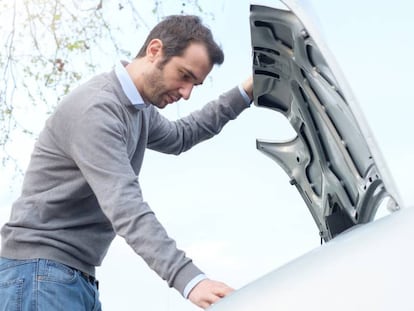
(11, 293)
(61, 288)
(58, 273)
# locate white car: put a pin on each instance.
(365, 263)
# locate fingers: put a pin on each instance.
(207, 292)
(221, 290)
(208, 300)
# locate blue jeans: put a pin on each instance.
(43, 285)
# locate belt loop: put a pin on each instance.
(41, 267)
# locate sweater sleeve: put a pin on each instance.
(179, 136)
(97, 143)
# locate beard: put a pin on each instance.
(157, 92)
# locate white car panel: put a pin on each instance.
(333, 161)
(338, 169)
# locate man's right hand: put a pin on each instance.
(207, 292)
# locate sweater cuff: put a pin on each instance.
(185, 276)
(192, 284)
(246, 97)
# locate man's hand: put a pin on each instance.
(248, 87)
(208, 292)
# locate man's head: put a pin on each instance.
(177, 55)
(177, 32)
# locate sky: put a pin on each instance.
(231, 208)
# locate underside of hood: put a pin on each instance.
(329, 161)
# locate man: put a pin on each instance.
(82, 186)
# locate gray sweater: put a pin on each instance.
(82, 187)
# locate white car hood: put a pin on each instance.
(333, 161)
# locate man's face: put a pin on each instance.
(169, 82)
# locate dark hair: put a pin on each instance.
(177, 32)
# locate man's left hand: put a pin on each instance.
(248, 87)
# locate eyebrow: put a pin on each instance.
(189, 72)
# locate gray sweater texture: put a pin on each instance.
(82, 184)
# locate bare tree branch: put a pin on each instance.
(51, 45)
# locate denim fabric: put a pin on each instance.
(45, 285)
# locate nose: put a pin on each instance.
(185, 90)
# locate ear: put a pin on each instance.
(154, 49)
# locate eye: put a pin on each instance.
(185, 76)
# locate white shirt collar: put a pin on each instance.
(128, 86)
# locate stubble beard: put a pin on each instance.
(156, 87)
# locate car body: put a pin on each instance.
(339, 171)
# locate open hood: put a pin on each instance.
(333, 161)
